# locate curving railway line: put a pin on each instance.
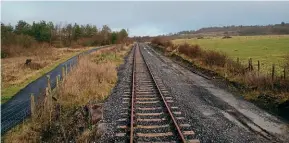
(152, 115)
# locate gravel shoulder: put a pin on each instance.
(216, 114)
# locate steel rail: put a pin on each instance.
(166, 104)
(132, 96)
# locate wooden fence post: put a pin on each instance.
(48, 104)
(57, 81)
(238, 60)
(48, 83)
(226, 69)
(258, 66)
(66, 69)
(249, 64)
(284, 72)
(273, 71)
(32, 105)
(63, 73)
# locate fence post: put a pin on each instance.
(57, 81)
(48, 104)
(63, 73)
(273, 71)
(66, 69)
(284, 72)
(226, 69)
(258, 66)
(249, 66)
(48, 83)
(251, 63)
(32, 105)
(78, 58)
(238, 60)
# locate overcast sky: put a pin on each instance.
(148, 18)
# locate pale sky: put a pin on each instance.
(148, 18)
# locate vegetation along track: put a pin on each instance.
(152, 117)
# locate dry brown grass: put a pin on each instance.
(15, 75)
(88, 81)
(14, 71)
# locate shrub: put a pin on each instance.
(200, 37)
(24, 41)
(215, 58)
(161, 42)
(192, 51)
(235, 67)
(257, 81)
(226, 37)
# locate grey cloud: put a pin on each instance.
(149, 17)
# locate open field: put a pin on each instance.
(267, 49)
(16, 75)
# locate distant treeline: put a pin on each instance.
(25, 35)
(277, 29)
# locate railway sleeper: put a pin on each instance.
(146, 98)
(149, 111)
(156, 137)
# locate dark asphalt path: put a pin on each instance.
(17, 108)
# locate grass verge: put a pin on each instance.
(22, 76)
(76, 108)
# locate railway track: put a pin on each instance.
(152, 115)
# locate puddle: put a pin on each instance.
(259, 117)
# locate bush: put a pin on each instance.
(192, 51)
(24, 41)
(257, 81)
(162, 42)
(235, 67)
(200, 37)
(215, 58)
(226, 37)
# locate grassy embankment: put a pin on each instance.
(75, 113)
(16, 75)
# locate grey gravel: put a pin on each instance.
(113, 106)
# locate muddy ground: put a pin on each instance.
(215, 113)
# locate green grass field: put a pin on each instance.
(267, 49)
